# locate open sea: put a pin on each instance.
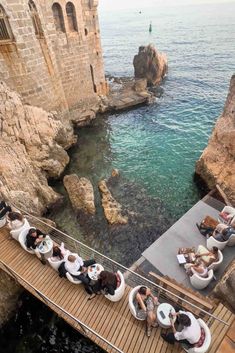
(155, 147)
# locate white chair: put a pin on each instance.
(214, 266)
(231, 215)
(206, 344)
(3, 221)
(231, 241)
(22, 240)
(16, 232)
(55, 264)
(119, 291)
(211, 241)
(132, 296)
(72, 279)
(199, 282)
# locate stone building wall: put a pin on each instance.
(55, 69)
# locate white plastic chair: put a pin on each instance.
(131, 299)
(199, 282)
(119, 291)
(3, 221)
(22, 240)
(211, 241)
(214, 266)
(231, 211)
(16, 232)
(55, 264)
(207, 342)
(231, 241)
(72, 279)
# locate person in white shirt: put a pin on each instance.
(78, 268)
(191, 332)
(15, 220)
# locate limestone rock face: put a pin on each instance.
(150, 64)
(31, 149)
(112, 209)
(9, 291)
(225, 289)
(81, 193)
(217, 162)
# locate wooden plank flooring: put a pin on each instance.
(113, 321)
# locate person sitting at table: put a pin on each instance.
(145, 305)
(15, 220)
(34, 238)
(4, 209)
(198, 268)
(59, 252)
(107, 283)
(191, 332)
(78, 268)
(223, 232)
(207, 256)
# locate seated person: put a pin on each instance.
(191, 332)
(207, 256)
(107, 283)
(15, 220)
(145, 304)
(4, 209)
(59, 252)
(223, 232)
(226, 217)
(78, 268)
(33, 239)
(198, 268)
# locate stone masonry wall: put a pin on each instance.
(53, 71)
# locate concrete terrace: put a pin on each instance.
(184, 233)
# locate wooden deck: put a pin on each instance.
(113, 321)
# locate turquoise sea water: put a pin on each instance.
(158, 146)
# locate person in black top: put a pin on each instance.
(34, 238)
(4, 209)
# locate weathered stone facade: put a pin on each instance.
(53, 55)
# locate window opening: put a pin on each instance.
(5, 28)
(36, 19)
(71, 15)
(58, 17)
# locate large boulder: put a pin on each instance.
(32, 148)
(225, 289)
(150, 64)
(217, 162)
(112, 209)
(81, 193)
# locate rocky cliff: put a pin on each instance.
(32, 148)
(217, 162)
(225, 288)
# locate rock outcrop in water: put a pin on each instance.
(217, 162)
(150, 64)
(81, 193)
(32, 148)
(112, 209)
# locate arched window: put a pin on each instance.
(58, 17)
(5, 28)
(36, 19)
(71, 14)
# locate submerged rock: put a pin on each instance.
(112, 209)
(217, 164)
(81, 193)
(150, 64)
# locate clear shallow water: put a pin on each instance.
(158, 146)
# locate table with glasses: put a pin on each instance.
(93, 271)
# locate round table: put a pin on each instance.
(163, 311)
(46, 247)
(93, 271)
